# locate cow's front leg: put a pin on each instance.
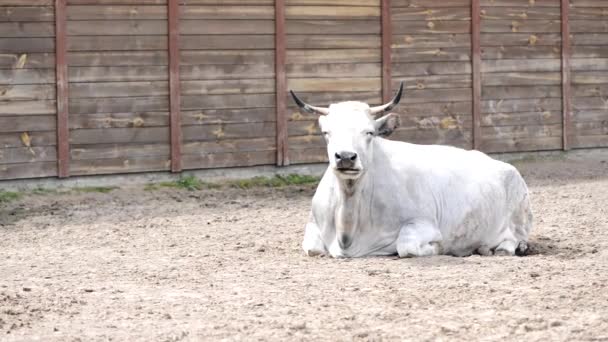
(420, 238)
(313, 244)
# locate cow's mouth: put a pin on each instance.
(348, 171)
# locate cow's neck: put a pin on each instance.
(351, 197)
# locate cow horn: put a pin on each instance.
(392, 104)
(308, 108)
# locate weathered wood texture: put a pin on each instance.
(589, 74)
(119, 86)
(334, 52)
(521, 75)
(228, 83)
(28, 130)
(431, 53)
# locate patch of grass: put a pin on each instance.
(100, 189)
(189, 183)
(273, 182)
(8, 196)
(43, 191)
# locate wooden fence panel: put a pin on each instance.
(333, 54)
(431, 54)
(227, 84)
(118, 86)
(27, 90)
(589, 74)
(521, 76)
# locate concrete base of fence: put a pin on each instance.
(211, 175)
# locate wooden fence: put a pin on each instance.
(114, 86)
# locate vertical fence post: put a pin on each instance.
(61, 69)
(566, 90)
(476, 69)
(174, 86)
(281, 83)
(387, 34)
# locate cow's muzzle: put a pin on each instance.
(344, 240)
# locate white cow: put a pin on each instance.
(383, 197)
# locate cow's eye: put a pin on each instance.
(325, 133)
(369, 134)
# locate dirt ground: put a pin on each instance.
(171, 264)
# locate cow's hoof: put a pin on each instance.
(414, 249)
(484, 250)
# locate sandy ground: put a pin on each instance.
(170, 264)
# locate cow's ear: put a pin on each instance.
(387, 124)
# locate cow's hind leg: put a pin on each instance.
(313, 244)
(419, 239)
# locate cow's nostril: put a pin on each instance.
(337, 156)
(353, 157)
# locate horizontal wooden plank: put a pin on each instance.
(217, 116)
(28, 170)
(237, 86)
(430, 41)
(526, 39)
(347, 27)
(35, 138)
(27, 154)
(27, 123)
(520, 3)
(229, 146)
(588, 26)
(118, 89)
(591, 13)
(224, 72)
(521, 144)
(119, 120)
(27, 92)
(520, 92)
(227, 42)
(226, 12)
(433, 82)
(523, 26)
(27, 29)
(224, 27)
(520, 105)
(26, 76)
(119, 43)
(431, 54)
(335, 84)
(590, 51)
(119, 135)
(587, 90)
(118, 105)
(26, 45)
(526, 118)
(26, 14)
(433, 136)
(111, 151)
(119, 165)
(520, 65)
(116, 2)
(431, 108)
(430, 26)
(521, 131)
(331, 12)
(229, 131)
(520, 13)
(306, 141)
(590, 115)
(520, 78)
(217, 160)
(194, 102)
(586, 103)
(306, 156)
(117, 74)
(117, 58)
(116, 12)
(324, 99)
(117, 27)
(219, 57)
(590, 77)
(422, 13)
(27, 60)
(12, 108)
(429, 4)
(368, 3)
(589, 38)
(437, 95)
(588, 3)
(312, 56)
(520, 52)
(432, 68)
(333, 42)
(334, 70)
(590, 128)
(589, 141)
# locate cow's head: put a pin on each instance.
(349, 129)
